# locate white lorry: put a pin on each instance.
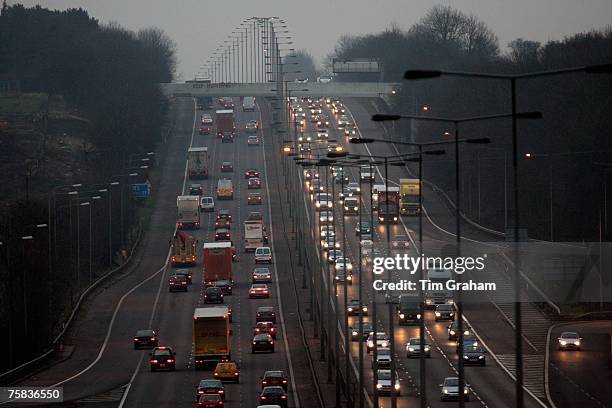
(188, 212)
(253, 235)
(197, 162)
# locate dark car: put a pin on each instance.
(453, 330)
(445, 312)
(145, 339)
(227, 167)
(224, 285)
(265, 327)
(186, 273)
(195, 189)
(162, 358)
(223, 234)
(178, 283)
(254, 199)
(474, 355)
(251, 173)
(276, 378)
(367, 329)
(265, 314)
(210, 386)
(213, 295)
(352, 308)
(223, 220)
(363, 228)
(210, 400)
(224, 215)
(468, 341)
(254, 182)
(274, 395)
(262, 342)
(227, 137)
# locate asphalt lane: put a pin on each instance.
(174, 319)
(491, 386)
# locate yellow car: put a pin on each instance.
(227, 371)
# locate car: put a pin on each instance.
(400, 242)
(274, 395)
(145, 339)
(350, 206)
(315, 186)
(228, 103)
(383, 386)
(304, 138)
(265, 327)
(354, 188)
(333, 254)
(210, 386)
(335, 147)
(276, 378)
(413, 348)
(344, 194)
(224, 285)
(445, 312)
(382, 341)
(262, 342)
(352, 308)
(570, 341)
(449, 390)
(322, 134)
(341, 177)
(263, 255)
(207, 204)
(468, 341)
(343, 120)
(326, 217)
(223, 234)
(366, 173)
(343, 264)
(195, 189)
(301, 80)
(453, 333)
(383, 358)
(162, 358)
(213, 295)
(366, 328)
(251, 126)
(210, 400)
(186, 273)
(305, 149)
(204, 130)
(363, 228)
(253, 140)
(254, 199)
(350, 130)
(342, 276)
(323, 201)
(206, 119)
(255, 216)
(311, 174)
(330, 243)
(224, 215)
(254, 182)
(324, 79)
(227, 371)
(177, 283)
(227, 167)
(327, 231)
(265, 314)
(261, 275)
(251, 173)
(259, 290)
(474, 355)
(227, 137)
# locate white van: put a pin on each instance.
(248, 104)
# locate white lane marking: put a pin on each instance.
(280, 302)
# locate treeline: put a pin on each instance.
(568, 146)
(54, 245)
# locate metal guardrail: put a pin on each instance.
(27, 365)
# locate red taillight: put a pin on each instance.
(183, 283)
(254, 343)
(200, 391)
(271, 341)
(154, 361)
(264, 382)
(220, 403)
(283, 396)
(221, 391)
(265, 291)
(136, 340)
(257, 330)
(235, 373)
(284, 381)
(152, 338)
(216, 374)
(189, 276)
(263, 397)
(272, 329)
(170, 360)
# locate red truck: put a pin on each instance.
(388, 205)
(218, 258)
(225, 122)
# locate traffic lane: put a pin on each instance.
(581, 378)
(91, 325)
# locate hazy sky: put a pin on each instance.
(198, 26)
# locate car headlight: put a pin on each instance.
(397, 386)
(480, 357)
(452, 332)
(465, 357)
(350, 309)
(365, 309)
(379, 386)
(450, 301)
(349, 278)
(318, 205)
(418, 315)
(428, 301)
(437, 314)
(355, 333)
(384, 344)
(345, 208)
(355, 208)
(410, 349)
(402, 315)
(465, 391)
(563, 342)
(370, 344)
(445, 391)
(426, 348)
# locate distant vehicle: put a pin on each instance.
(367, 329)
(228, 102)
(225, 121)
(207, 204)
(254, 182)
(262, 275)
(195, 189)
(409, 309)
(213, 295)
(263, 255)
(330, 243)
(275, 378)
(224, 285)
(352, 308)
(383, 358)
(162, 358)
(186, 273)
(197, 162)
(183, 250)
(400, 242)
(388, 205)
(223, 234)
(248, 104)
(413, 348)
(326, 217)
(217, 258)
(251, 173)
(383, 387)
(145, 339)
(324, 79)
(262, 342)
(474, 355)
(301, 80)
(251, 126)
(468, 341)
(343, 264)
(227, 167)
(225, 189)
(205, 130)
(323, 201)
(570, 341)
(434, 298)
(342, 276)
(205, 102)
(273, 396)
(445, 312)
(452, 329)
(450, 390)
(206, 119)
(178, 283)
(367, 173)
(409, 196)
(209, 401)
(223, 219)
(227, 137)
(351, 206)
(254, 199)
(253, 140)
(210, 386)
(354, 188)
(327, 231)
(322, 134)
(363, 228)
(333, 254)
(350, 130)
(265, 314)
(227, 371)
(265, 327)
(259, 290)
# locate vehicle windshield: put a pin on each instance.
(452, 382)
(384, 375)
(162, 352)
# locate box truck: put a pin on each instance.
(217, 258)
(409, 196)
(188, 212)
(197, 162)
(211, 336)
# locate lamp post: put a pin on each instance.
(550, 189)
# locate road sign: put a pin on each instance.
(141, 190)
